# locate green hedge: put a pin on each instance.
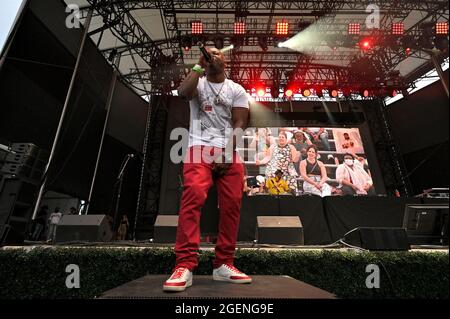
(40, 273)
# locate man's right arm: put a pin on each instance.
(188, 88)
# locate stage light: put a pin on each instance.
(365, 93)
(186, 43)
(408, 51)
(239, 28)
(262, 41)
(334, 93)
(408, 43)
(306, 92)
(441, 27)
(354, 28)
(282, 28)
(398, 28)
(196, 27)
(289, 93)
(393, 93)
(365, 44)
(260, 92)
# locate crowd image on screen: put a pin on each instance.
(307, 161)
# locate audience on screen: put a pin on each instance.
(291, 150)
(262, 140)
(277, 185)
(282, 156)
(314, 174)
(352, 178)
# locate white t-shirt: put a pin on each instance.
(211, 112)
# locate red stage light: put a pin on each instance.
(354, 28)
(239, 28)
(408, 51)
(398, 28)
(366, 93)
(393, 93)
(441, 28)
(282, 28)
(289, 93)
(306, 92)
(261, 92)
(334, 93)
(365, 44)
(197, 27)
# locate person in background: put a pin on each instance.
(277, 185)
(39, 223)
(123, 228)
(301, 143)
(54, 219)
(353, 179)
(314, 174)
(262, 142)
(73, 211)
(318, 134)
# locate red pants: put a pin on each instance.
(197, 181)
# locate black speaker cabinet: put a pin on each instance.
(376, 238)
(84, 228)
(16, 206)
(279, 230)
(166, 228)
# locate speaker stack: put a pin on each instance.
(20, 176)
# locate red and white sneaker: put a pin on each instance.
(179, 281)
(231, 274)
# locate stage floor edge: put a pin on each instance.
(204, 287)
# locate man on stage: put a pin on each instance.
(218, 108)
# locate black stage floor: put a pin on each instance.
(204, 287)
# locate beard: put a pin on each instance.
(216, 68)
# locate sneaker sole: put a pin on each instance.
(177, 288)
(234, 281)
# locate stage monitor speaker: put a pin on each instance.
(279, 230)
(83, 228)
(378, 238)
(166, 228)
(426, 224)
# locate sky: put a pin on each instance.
(8, 11)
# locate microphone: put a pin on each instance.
(205, 53)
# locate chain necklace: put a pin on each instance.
(217, 99)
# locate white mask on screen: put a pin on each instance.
(349, 162)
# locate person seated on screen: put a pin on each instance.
(314, 174)
(277, 185)
(353, 179)
(282, 156)
(301, 143)
(316, 135)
